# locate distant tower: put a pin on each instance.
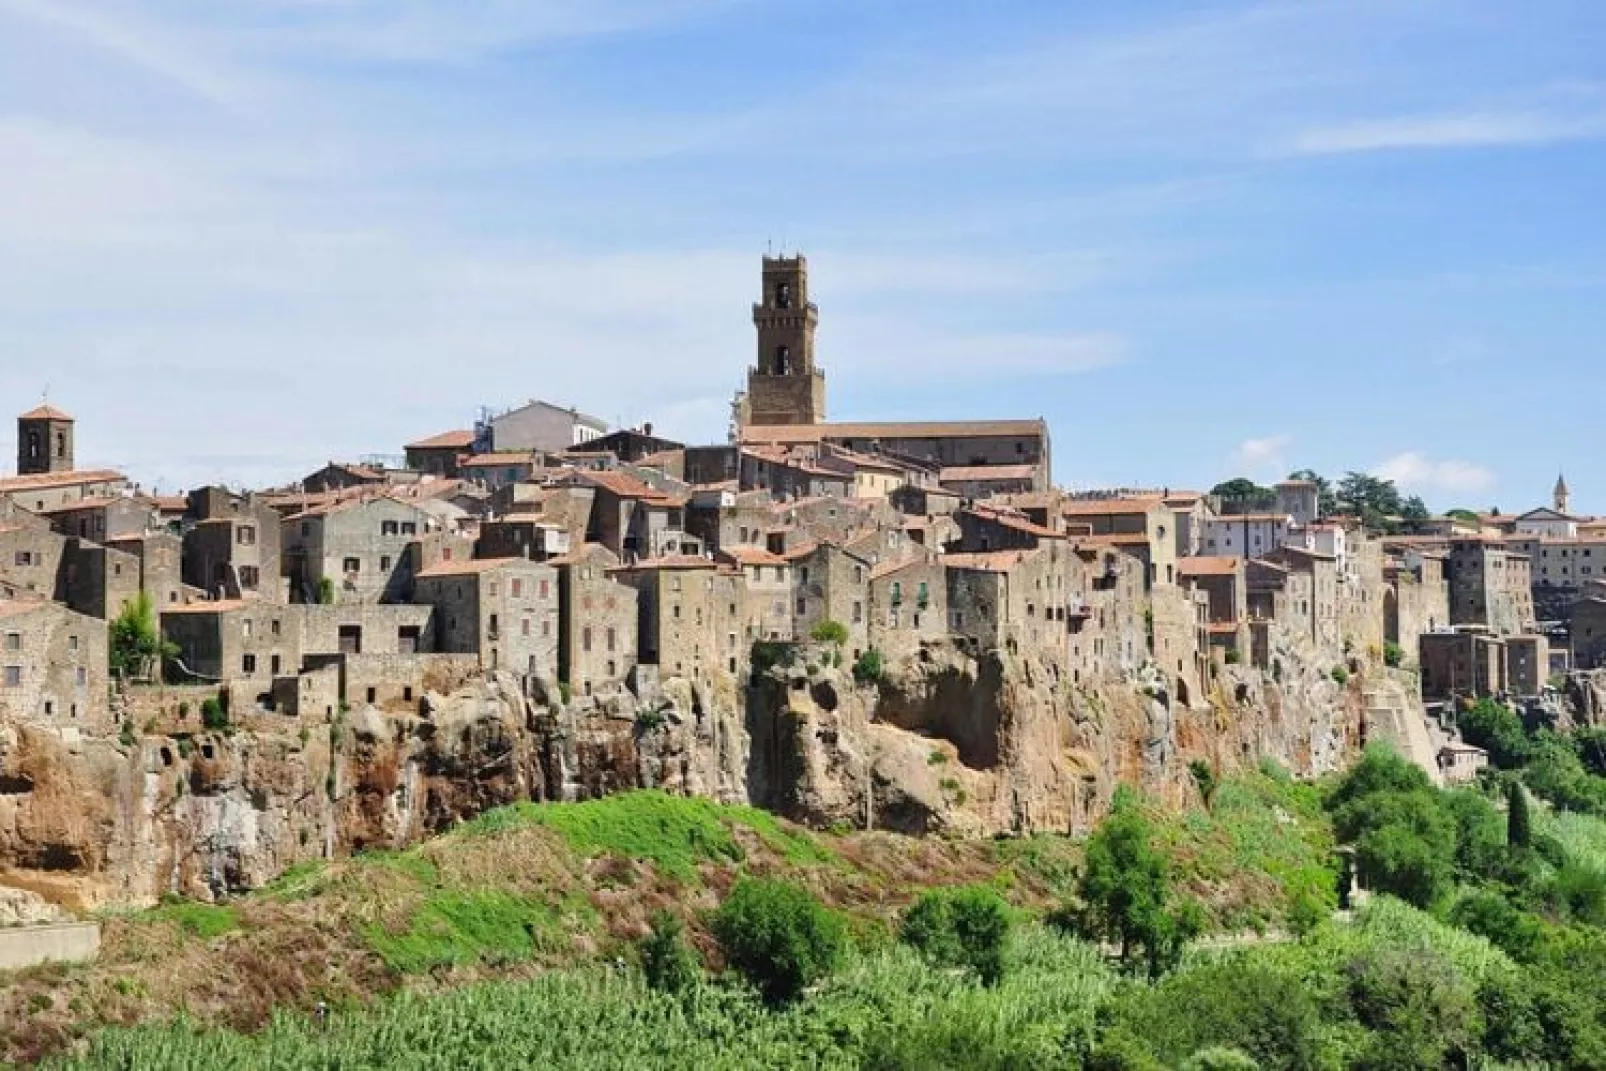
(783, 386)
(1562, 498)
(44, 441)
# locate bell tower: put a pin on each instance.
(1561, 497)
(784, 386)
(44, 441)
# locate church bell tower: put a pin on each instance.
(784, 386)
(44, 441)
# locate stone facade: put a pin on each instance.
(366, 550)
(504, 610)
(53, 667)
(1489, 586)
(44, 441)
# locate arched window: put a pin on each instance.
(61, 444)
(783, 360)
(34, 447)
(783, 296)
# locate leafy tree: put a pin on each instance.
(966, 927)
(1393, 654)
(136, 646)
(1590, 743)
(1413, 510)
(1480, 834)
(1519, 823)
(1375, 501)
(779, 937)
(830, 632)
(1497, 729)
(666, 959)
(1244, 492)
(1490, 915)
(1404, 835)
(1467, 515)
(1422, 1012)
(214, 715)
(1403, 862)
(1125, 889)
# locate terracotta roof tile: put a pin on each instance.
(446, 440)
(951, 429)
(45, 480)
(992, 561)
(746, 554)
(1209, 565)
(1108, 507)
(470, 567)
(44, 412)
(979, 473)
(666, 562)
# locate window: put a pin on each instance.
(544, 588)
(275, 664)
(245, 628)
(24, 557)
(250, 577)
(409, 528)
(858, 611)
(546, 629)
(13, 641)
(494, 589)
(783, 360)
(585, 639)
(248, 664)
(389, 528)
(613, 641)
(493, 627)
(83, 677)
(384, 563)
(518, 588)
(275, 627)
(783, 296)
(72, 643)
(524, 627)
(352, 565)
(802, 607)
(247, 535)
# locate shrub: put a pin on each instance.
(966, 927)
(1393, 654)
(869, 669)
(135, 647)
(667, 960)
(779, 937)
(830, 632)
(1340, 675)
(1205, 778)
(326, 591)
(1422, 1011)
(1497, 729)
(213, 715)
(1264, 1012)
(1233, 656)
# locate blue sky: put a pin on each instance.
(241, 237)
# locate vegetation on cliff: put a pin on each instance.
(646, 930)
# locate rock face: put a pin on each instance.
(945, 742)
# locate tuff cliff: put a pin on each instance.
(944, 741)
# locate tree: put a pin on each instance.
(1374, 500)
(1422, 1012)
(1243, 491)
(779, 937)
(1125, 889)
(136, 647)
(1497, 729)
(666, 959)
(1519, 823)
(966, 927)
(1467, 515)
(830, 632)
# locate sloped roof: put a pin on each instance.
(40, 481)
(45, 412)
(942, 429)
(469, 567)
(446, 440)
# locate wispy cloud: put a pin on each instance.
(155, 51)
(1263, 455)
(1416, 472)
(1447, 132)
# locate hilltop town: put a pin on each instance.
(889, 625)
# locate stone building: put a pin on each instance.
(1416, 597)
(53, 667)
(354, 550)
(1220, 578)
(505, 610)
(44, 441)
(1246, 535)
(691, 617)
(540, 427)
(1147, 517)
(1490, 585)
(832, 584)
(1299, 500)
(783, 473)
(594, 608)
(524, 535)
(103, 520)
(45, 491)
(767, 577)
(783, 385)
(1587, 627)
(631, 445)
(1465, 662)
(438, 455)
(497, 470)
(232, 546)
(160, 558)
(908, 604)
(633, 519)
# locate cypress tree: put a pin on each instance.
(1519, 823)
